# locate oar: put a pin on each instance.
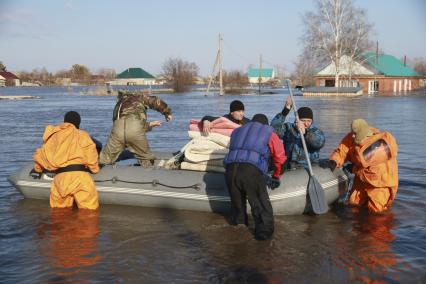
(315, 190)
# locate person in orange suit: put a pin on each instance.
(373, 157)
(71, 154)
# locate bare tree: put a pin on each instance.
(419, 64)
(107, 73)
(2, 66)
(280, 72)
(63, 74)
(234, 81)
(179, 74)
(304, 72)
(80, 73)
(38, 76)
(335, 29)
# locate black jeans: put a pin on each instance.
(245, 181)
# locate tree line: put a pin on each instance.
(178, 73)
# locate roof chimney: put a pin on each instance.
(405, 60)
(376, 59)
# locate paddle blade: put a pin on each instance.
(317, 196)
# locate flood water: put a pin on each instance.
(122, 244)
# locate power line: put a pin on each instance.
(244, 58)
(236, 53)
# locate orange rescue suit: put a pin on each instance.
(65, 145)
(375, 168)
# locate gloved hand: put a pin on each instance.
(331, 164)
(349, 167)
(34, 174)
(273, 182)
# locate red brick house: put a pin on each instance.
(374, 73)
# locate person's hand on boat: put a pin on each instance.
(207, 127)
(349, 167)
(34, 174)
(273, 182)
(288, 103)
(169, 117)
(328, 164)
(154, 123)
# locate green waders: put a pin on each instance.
(128, 132)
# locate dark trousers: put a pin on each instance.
(246, 182)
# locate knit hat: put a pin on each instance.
(361, 130)
(236, 106)
(261, 118)
(305, 112)
(73, 117)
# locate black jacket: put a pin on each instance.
(228, 116)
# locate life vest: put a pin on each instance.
(250, 144)
(376, 160)
(377, 150)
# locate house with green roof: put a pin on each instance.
(134, 76)
(265, 75)
(374, 72)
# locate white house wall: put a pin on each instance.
(255, 80)
(357, 69)
(135, 81)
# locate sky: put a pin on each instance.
(120, 34)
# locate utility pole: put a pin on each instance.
(260, 71)
(220, 66)
(218, 61)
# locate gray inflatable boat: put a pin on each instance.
(188, 190)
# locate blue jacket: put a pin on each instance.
(293, 146)
(250, 144)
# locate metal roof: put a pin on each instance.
(266, 72)
(389, 65)
(134, 73)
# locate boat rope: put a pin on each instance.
(154, 183)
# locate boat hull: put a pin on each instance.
(188, 190)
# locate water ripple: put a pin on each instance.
(152, 245)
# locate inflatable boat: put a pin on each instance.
(186, 189)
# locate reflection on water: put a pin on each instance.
(70, 241)
(370, 257)
(122, 244)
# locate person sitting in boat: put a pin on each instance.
(373, 157)
(130, 126)
(290, 135)
(251, 149)
(236, 115)
(71, 154)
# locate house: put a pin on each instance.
(265, 74)
(9, 78)
(161, 80)
(134, 76)
(2, 81)
(373, 72)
